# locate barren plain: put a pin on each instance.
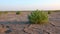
(18, 24)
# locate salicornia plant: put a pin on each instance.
(38, 17)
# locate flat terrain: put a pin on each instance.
(18, 24)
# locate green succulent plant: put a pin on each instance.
(18, 12)
(38, 17)
(5, 12)
(49, 12)
(0, 13)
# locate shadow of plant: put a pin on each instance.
(15, 22)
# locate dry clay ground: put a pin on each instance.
(18, 24)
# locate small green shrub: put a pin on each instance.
(49, 12)
(1, 13)
(18, 12)
(38, 17)
(5, 12)
(56, 11)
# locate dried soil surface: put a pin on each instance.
(18, 24)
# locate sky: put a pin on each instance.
(29, 5)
